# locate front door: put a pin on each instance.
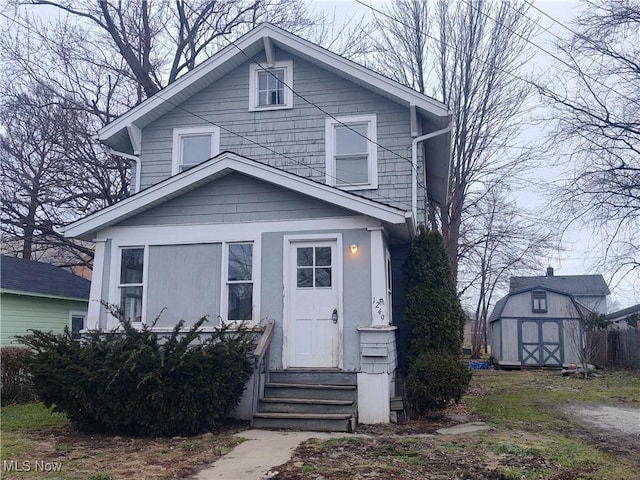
(313, 314)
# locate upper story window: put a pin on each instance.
(351, 152)
(194, 145)
(131, 283)
(271, 88)
(539, 301)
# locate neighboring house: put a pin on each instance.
(39, 296)
(625, 318)
(277, 181)
(539, 322)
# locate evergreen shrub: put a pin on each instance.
(135, 382)
(436, 374)
(16, 386)
(435, 379)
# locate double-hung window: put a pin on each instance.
(131, 283)
(271, 88)
(351, 152)
(538, 301)
(239, 282)
(192, 146)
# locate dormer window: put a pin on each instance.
(271, 88)
(351, 152)
(192, 146)
(539, 301)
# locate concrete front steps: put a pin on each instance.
(309, 400)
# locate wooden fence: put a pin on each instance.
(615, 348)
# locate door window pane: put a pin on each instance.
(323, 256)
(323, 277)
(305, 277)
(313, 267)
(305, 256)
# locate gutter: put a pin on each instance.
(414, 166)
(131, 158)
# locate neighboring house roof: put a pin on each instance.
(27, 277)
(399, 221)
(572, 284)
(624, 313)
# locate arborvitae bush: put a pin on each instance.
(435, 379)
(436, 322)
(16, 386)
(136, 382)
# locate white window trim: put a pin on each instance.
(255, 279)
(179, 133)
(254, 68)
(77, 313)
(114, 295)
(372, 136)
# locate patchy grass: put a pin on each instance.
(533, 436)
(31, 433)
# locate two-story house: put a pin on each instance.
(539, 322)
(276, 181)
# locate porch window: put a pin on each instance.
(131, 284)
(539, 301)
(239, 282)
(351, 152)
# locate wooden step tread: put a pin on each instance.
(307, 385)
(304, 416)
(306, 401)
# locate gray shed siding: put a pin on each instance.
(235, 198)
(298, 134)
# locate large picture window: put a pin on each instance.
(239, 282)
(131, 283)
(192, 146)
(351, 152)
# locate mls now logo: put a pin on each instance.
(30, 466)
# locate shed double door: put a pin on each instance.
(541, 343)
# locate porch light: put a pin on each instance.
(353, 248)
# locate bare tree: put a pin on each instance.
(470, 56)
(596, 107)
(51, 171)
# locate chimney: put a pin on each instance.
(549, 271)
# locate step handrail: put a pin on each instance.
(261, 365)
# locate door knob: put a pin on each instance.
(334, 315)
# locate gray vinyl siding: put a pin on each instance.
(184, 283)
(236, 198)
(298, 134)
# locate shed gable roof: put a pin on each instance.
(572, 284)
(241, 51)
(27, 276)
(496, 313)
(221, 165)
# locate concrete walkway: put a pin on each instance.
(254, 458)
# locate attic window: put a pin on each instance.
(539, 301)
(271, 88)
(194, 145)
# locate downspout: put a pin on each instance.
(414, 167)
(131, 158)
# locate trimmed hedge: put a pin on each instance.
(16, 386)
(135, 382)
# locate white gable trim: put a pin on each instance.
(216, 167)
(252, 43)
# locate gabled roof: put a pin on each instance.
(221, 165)
(27, 277)
(572, 284)
(625, 312)
(116, 134)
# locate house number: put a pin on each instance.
(377, 306)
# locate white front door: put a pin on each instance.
(313, 320)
